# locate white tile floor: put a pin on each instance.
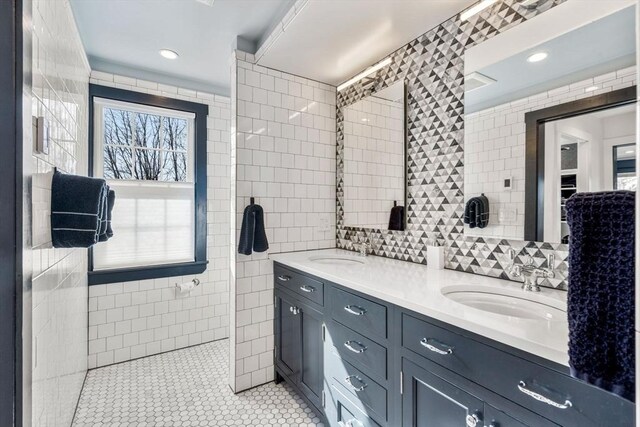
(185, 387)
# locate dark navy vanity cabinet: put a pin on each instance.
(363, 362)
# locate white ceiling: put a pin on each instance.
(329, 40)
(124, 36)
(596, 40)
(332, 40)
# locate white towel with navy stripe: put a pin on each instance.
(80, 211)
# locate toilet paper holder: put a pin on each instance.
(195, 282)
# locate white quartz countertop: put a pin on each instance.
(418, 288)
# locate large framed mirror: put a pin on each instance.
(549, 111)
(375, 160)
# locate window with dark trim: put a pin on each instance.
(152, 152)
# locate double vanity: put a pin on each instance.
(372, 341)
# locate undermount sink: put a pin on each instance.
(511, 304)
(336, 260)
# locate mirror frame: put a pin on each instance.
(405, 137)
(535, 144)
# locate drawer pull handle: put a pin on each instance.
(355, 310)
(284, 278)
(522, 386)
(349, 345)
(425, 343)
(308, 289)
(348, 381)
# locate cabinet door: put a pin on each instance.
(287, 337)
(496, 418)
(518, 417)
(311, 366)
(430, 401)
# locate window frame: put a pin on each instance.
(199, 159)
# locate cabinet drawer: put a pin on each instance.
(360, 314)
(568, 400)
(363, 353)
(305, 286)
(347, 414)
(362, 389)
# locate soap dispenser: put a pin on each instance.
(435, 256)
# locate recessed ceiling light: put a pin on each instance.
(537, 57)
(168, 53)
(592, 88)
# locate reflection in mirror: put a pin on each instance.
(566, 59)
(374, 160)
(589, 152)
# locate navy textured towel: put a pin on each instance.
(396, 218)
(252, 233)
(601, 299)
(77, 203)
(476, 212)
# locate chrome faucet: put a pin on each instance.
(529, 272)
(362, 244)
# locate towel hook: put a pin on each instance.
(252, 200)
(395, 203)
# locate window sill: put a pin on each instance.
(117, 275)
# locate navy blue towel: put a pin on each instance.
(77, 203)
(601, 299)
(396, 218)
(106, 232)
(252, 233)
(476, 212)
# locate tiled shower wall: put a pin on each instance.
(432, 67)
(140, 318)
(495, 148)
(284, 156)
(59, 317)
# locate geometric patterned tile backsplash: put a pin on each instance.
(432, 67)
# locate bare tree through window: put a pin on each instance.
(145, 147)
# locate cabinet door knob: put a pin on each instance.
(349, 381)
(308, 289)
(355, 310)
(472, 420)
(522, 386)
(284, 278)
(361, 348)
(425, 343)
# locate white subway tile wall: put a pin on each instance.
(494, 147)
(140, 318)
(374, 161)
(285, 157)
(59, 286)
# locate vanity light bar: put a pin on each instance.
(365, 73)
(476, 8)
